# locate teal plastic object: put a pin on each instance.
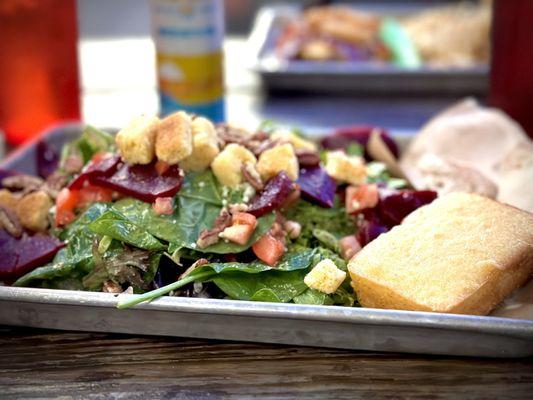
(404, 53)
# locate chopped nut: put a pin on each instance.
(251, 175)
(349, 246)
(293, 229)
(209, 237)
(24, 183)
(111, 287)
(10, 222)
(33, 210)
(238, 207)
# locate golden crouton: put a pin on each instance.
(325, 277)
(204, 146)
(174, 138)
(8, 199)
(280, 158)
(33, 209)
(136, 141)
(227, 166)
(345, 168)
(294, 139)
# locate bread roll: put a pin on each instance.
(461, 254)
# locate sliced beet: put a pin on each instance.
(369, 230)
(317, 186)
(106, 167)
(272, 196)
(47, 159)
(342, 137)
(395, 207)
(21, 255)
(142, 181)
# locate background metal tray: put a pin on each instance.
(326, 326)
(351, 77)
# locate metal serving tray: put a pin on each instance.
(351, 77)
(325, 326)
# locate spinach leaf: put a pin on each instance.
(201, 186)
(278, 286)
(182, 228)
(333, 220)
(91, 141)
(314, 297)
(116, 226)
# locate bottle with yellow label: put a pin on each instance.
(188, 38)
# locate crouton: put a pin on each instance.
(297, 142)
(345, 168)
(33, 210)
(174, 138)
(280, 158)
(325, 277)
(136, 141)
(227, 165)
(204, 146)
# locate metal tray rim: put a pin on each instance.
(493, 325)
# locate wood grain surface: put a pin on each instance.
(48, 364)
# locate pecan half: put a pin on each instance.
(111, 287)
(10, 222)
(252, 176)
(25, 183)
(209, 237)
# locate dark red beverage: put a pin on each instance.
(511, 75)
(38, 66)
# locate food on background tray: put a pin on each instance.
(455, 35)
(461, 254)
(473, 149)
(182, 206)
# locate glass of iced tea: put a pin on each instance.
(511, 77)
(39, 82)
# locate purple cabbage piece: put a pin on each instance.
(317, 186)
(107, 166)
(5, 173)
(21, 255)
(47, 159)
(272, 196)
(342, 137)
(142, 181)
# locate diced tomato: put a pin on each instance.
(65, 203)
(268, 249)
(359, 198)
(163, 205)
(239, 234)
(161, 167)
(243, 218)
(92, 194)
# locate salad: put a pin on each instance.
(179, 206)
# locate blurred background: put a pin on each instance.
(280, 61)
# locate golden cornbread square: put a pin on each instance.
(462, 254)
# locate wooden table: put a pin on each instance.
(47, 364)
